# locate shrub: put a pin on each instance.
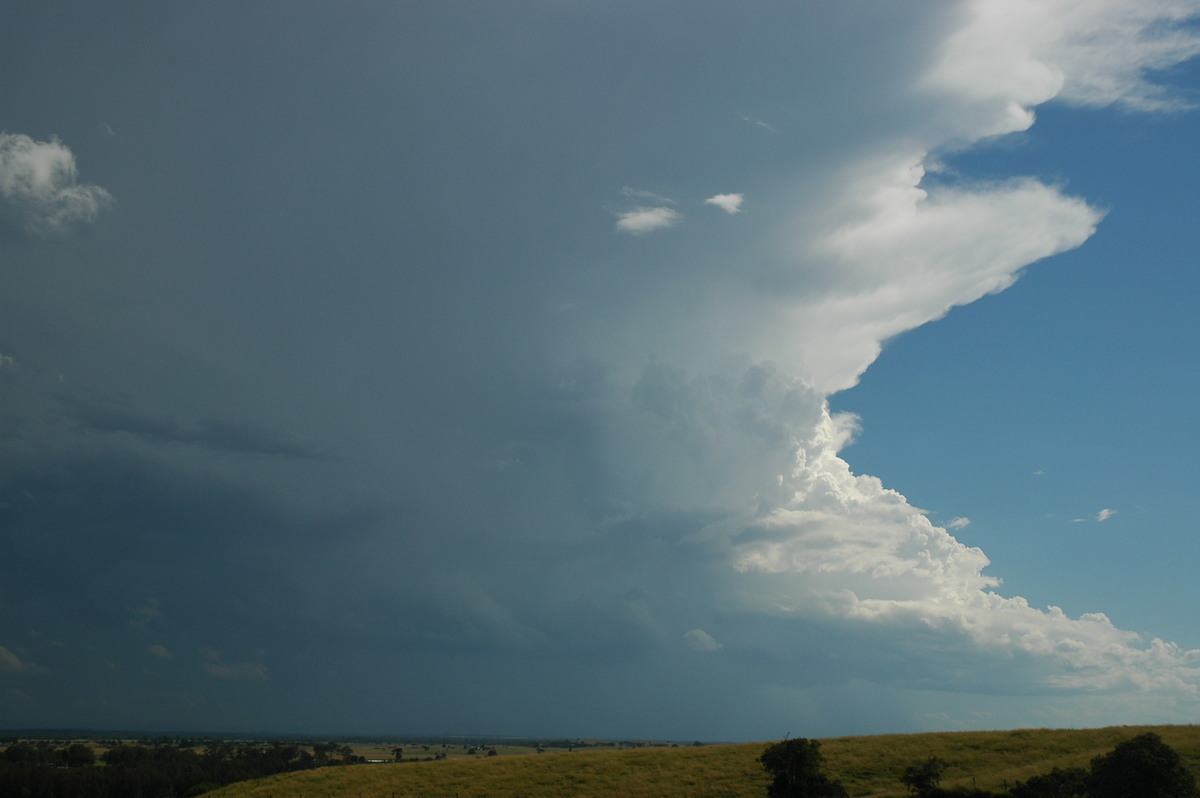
(1058, 783)
(923, 779)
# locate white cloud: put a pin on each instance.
(730, 203)
(1105, 514)
(899, 256)
(700, 640)
(160, 651)
(38, 184)
(1011, 56)
(645, 220)
(959, 523)
(844, 547)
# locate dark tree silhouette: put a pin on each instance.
(923, 779)
(78, 755)
(795, 767)
(1143, 767)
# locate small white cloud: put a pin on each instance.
(645, 220)
(7, 362)
(700, 640)
(1105, 514)
(159, 651)
(959, 523)
(37, 183)
(730, 203)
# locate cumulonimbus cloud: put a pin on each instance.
(652, 501)
(815, 540)
(39, 187)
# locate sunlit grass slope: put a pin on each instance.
(868, 766)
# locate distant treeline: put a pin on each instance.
(132, 770)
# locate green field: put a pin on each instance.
(868, 766)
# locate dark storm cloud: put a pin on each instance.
(116, 526)
(224, 435)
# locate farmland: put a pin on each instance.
(869, 767)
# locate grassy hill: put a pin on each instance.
(868, 766)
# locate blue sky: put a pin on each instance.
(1069, 392)
(621, 369)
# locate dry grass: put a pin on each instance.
(868, 766)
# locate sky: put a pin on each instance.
(599, 368)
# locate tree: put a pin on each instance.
(1143, 767)
(923, 779)
(78, 755)
(795, 767)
